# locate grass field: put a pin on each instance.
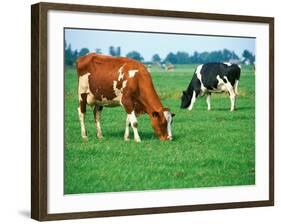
(210, 148)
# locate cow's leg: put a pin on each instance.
(97, 115)
(193, 99)
(128, 105)
(127, 128)
(236, 87)
(232, 96)
(81, 112)
(134, 124)
(208, 100)
(231, 92)
(232, 100)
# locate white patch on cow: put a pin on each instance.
(227, 63)
(115, 89)
(124, 84)
(227, 87)
(133, 121)
(221, 86)
(133, 118)
(192, 101)
(83, 86)
(103, 98)
(169, 118)
(228, 84)
(90, 98)
(108, 103)
(118, 92)
(198, 70)
(132, 73)
(199, 76)
(121, 74)
(219, 80)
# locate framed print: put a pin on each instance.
(139, 111)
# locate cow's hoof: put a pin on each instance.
(100, 137)
(137, 140)
(126, 139)
(84, 138)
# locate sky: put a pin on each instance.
(149, 44)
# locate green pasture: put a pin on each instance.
(209, 149)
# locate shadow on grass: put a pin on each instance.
(144, 135)
(120, 134)
(236, 109)
(245, 108)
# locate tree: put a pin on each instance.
(118, 52)
(135, 55)
(234, 55)
(171, 58)
(204, 57)
(114, 51)
(182, 57)
(226, 54)
(83, 51)
(215, 56)
(75, 55)
(68, 58)
(248, 56)
(98, 51)
(111, 51)
(156, 58)
(194, 59)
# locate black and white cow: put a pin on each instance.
(212, 77)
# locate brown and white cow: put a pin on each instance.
(119, 81)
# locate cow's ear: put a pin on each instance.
(183, 92)
(155, 114)
(173, 114)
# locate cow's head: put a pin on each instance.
(162, 124)
(185, 99)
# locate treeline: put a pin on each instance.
(70, 56)
(225, 55)
(179, 57)
(197, 58)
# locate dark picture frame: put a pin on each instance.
(39, 108)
